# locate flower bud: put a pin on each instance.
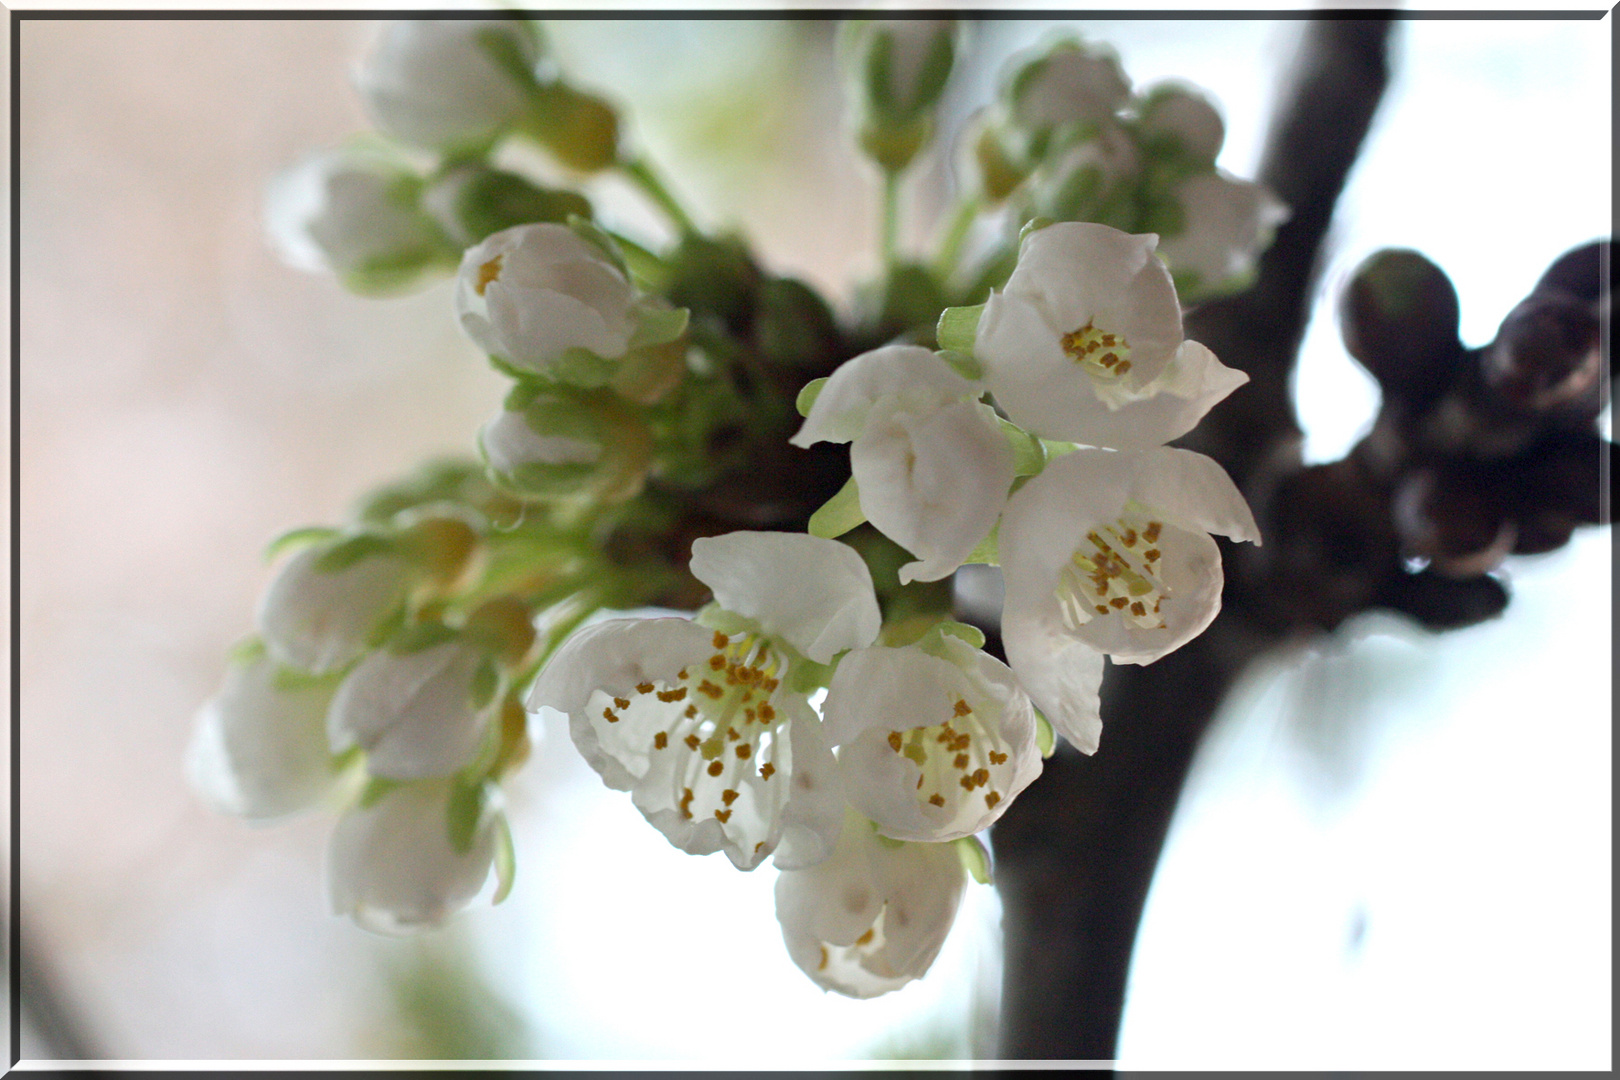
(1399, 317)
(558, 442)
(581, 130)
(259, 750)
(1179, 121)
(328, 601)
(393, 866)
(1066, 83)
(1227, 223)
(543, 299)
(1547, 357)
(418, 707)
(900, 69)
(357, 215)
(472, 201)
(449, 85)
(1090, 179)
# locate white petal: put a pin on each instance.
(708, 756)
(1170, 407)
(933, 483)
(1072, 83)
(1191, 571)
(319, 620)
(1047, 518)
(1040, 388)
(814, 814)
(259, 750)
(391, 866)
(1062, 674)
(430, 82)
(913, 377)
(1194, 491)
(816, 594)
(1228, 223)
(510, 443)
(933, 748)
(873, 916)
(1188, 115)
(413, 713)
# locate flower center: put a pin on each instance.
(1116, 569)
(1103, 355)
(488, 273)
(723, 722)
(864, 949)
(957, 758)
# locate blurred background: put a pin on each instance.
(1395, 850)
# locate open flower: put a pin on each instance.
(419, 708)
(531, 294)
(704, 726)
(935, 744)
(873, 916)
(394, 866)
(1110, 553)
(446, 84)
(1085, 343)
(259, 751)
(930, 463)
(327, 602)
(1227, 224)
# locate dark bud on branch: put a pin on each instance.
(1399, 319)
(1546, 359)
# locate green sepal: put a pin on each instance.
(807, 396)
(504, 52)
(963, 364)
(1034, 224)
(1045, 736)
(486, 682)
(587, 230)
(289, 680)
(1055, 448)
(958, 327)
(249, 650)
(580, 367)
(465, 811)
(838, 514)
(345, 553)
(293, 539)
(376, 787)
(968, 633)
(505, 860)
(988, 550)
(729, 623)
(1029, 453)
(420, 637)
(975, 858)
(659, 326)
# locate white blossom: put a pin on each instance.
(933, 745)
(1085, 342)
(392, 866)
(1109, 552)
(930, 463)
(417, 713)
(1070, 82)
(1087, 178)
(320, 612)
(704, 726)
(874, 915)
(259, 749)
(355, 214)
(1228, 223)
(532, 293)
(437, 85)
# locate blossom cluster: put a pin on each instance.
(822, 709)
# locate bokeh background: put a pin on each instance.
(1395, 850)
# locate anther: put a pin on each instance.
(644, 688)
(744, 749)
(766, 770)
(716, 768)
(895, 741)
(723, 815)
(728, 796)
(621, 703)
(660, 740)
(937, 799)
(864, 939)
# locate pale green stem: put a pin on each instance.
(891, 218)
(950, 247)
(638, 172)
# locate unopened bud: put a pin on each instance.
(1399, 318)
(472, 202)
(581, 130)
(900, 69)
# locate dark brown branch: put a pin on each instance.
(1076, 853)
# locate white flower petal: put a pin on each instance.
(696, 724)
(1071, 82)
(413, 713)
(874, 915)
(815, 594)
(1062, 675)
(432, 84)
(932, 748)
(911, 377)
(814, 814)
(391, 866)
(933, 483)
(1228, 223)
(259, 750)
(510, 443)
(1186, 114)
(319, 620)
(1195, 492)
(1034, 382)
